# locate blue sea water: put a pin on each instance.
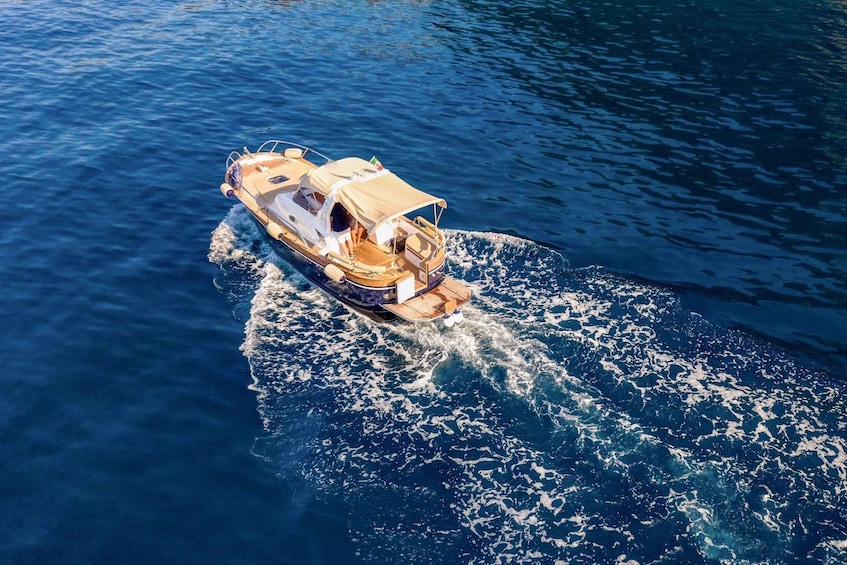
(648, 199)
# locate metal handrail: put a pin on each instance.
(276, 142)
(232, 158)
(271, 146)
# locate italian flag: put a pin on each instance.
(375, 161)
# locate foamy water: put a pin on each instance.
(574, 417)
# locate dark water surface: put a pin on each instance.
(649, 200)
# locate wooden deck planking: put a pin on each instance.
(371, 254)
(432, 304)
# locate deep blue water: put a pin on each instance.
(648, 199)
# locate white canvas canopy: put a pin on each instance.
(371, 195)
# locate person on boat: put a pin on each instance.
(344, 224)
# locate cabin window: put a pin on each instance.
(309, 200)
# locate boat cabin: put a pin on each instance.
(346, 203)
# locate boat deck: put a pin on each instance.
(257, 177)
(443, 299)
(372, 254)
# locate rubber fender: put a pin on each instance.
(333, 272)
(227, 190)
(274, 230)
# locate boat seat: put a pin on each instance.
(420, 246)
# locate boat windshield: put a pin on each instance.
(309, 200)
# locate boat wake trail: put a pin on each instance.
(574, 416)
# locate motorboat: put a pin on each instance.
(352, 227)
